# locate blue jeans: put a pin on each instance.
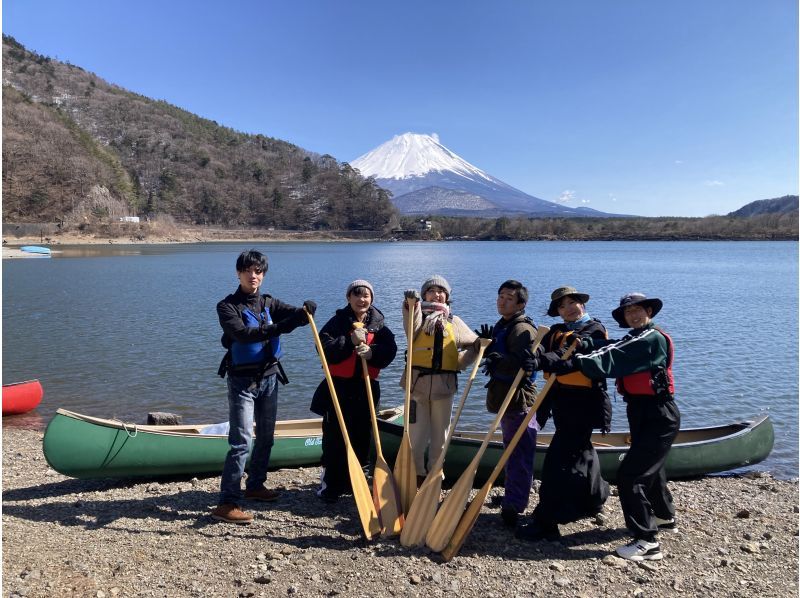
(248, 404)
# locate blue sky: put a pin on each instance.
(683, 108)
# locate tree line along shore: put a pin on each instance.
(764, 227)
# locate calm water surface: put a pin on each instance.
(118, 331)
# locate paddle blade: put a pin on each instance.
(387, 499)
(422, 511)
(362, 496)
(405, 473)
(464, 527)
(445, 521)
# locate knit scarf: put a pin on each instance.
(579, 323)
(434, 316)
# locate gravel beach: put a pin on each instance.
(738, 536)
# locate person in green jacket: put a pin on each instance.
(642, 364)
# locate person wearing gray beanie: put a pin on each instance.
(436, 281)
(357, 333)
(443, 345)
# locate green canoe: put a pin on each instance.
(695, 452)
(81, 446)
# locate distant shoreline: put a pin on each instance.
(11, 246)
(137, 236)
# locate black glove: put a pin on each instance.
(485, 331)
(310, 306)
(531, 364)
(490, 362)
(412, 294)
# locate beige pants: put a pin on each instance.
(431, 409)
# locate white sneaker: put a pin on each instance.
(667, 525)
(640, 550)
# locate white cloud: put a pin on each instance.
(566, 196)
(612, 197)
(586, 200)
(713, 183)
(435, 137)
(678, 162)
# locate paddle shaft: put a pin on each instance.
(423, 509)
(366, 509)
(405, 471)
(471, 515)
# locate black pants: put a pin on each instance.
(355, 411)
(641, 477)
(572, 487)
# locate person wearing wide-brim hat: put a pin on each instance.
(357, 330)
(572, 485)
(443, 345)
(641, 362)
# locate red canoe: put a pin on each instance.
(21, 397)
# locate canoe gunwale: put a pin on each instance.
(310, 426)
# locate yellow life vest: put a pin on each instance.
(423, 350)
(559, 340)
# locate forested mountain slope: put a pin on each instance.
(78, 149)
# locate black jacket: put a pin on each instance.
(335, 338)
(568, 402)
(285, 318)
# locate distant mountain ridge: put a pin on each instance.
(425, 177)
(778, 205)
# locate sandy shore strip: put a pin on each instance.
(738, 536)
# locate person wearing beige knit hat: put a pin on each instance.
(443, 345)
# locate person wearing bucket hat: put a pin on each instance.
(572, 486)
(443, 345)
(641, 362)
(356, 330)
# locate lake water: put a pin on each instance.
(119, 331)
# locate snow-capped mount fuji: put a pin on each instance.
(427, 178)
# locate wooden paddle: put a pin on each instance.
(405, 471)
(427, 501)
(446, 520)
(384, 490)
(467, 521)
(361, 493)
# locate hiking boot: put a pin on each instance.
(509, 516)
(640, 550)
(667, 525)
(230, 513)
(533, 532)
(261, 494)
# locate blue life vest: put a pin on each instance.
(258, 352)
(499, 335)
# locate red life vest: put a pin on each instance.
(347, 367)
(641, 383)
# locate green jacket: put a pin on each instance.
(643, 349)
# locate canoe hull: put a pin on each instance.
(130, 452)
(83, 447)
(21, 397)
(696, 452)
